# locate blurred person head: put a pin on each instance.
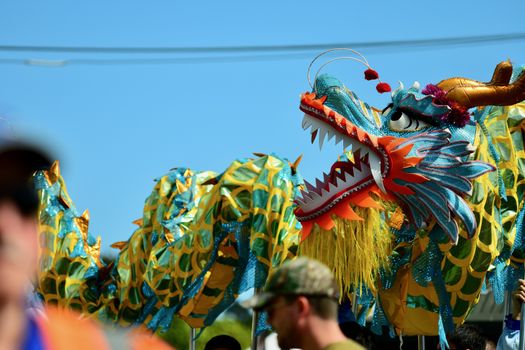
(222, 342)
(18, 222)
(57, 329)
(490, 345)
(301, 300)
(467, 337)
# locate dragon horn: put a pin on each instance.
(295, 164)
(502, 74)
(471, 93)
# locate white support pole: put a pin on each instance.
(522, 328)
(192, 339)
(354, 304)
(508, 304)
(421, 342)
(507, 307)
(255, 318)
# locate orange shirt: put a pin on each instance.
(63, 330)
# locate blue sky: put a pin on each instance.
(115, 128)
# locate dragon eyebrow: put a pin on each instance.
(414, 115)
(390, 105)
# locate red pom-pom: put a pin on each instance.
(371, 74)
(383, 87)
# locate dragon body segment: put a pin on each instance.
(203, 239)
(426, 198)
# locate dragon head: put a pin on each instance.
(405, 166)
(414, 153)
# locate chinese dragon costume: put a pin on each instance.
(424, 206)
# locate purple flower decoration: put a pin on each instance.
(458, 115)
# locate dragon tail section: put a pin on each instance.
(203, 239)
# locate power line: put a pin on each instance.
(233, 53)
(265, 48)
(147, 61)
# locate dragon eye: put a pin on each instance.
(402, 121)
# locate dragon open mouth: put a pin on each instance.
(369, 166)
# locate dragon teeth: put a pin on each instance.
(326, 191)
(315, 196)
(326, 177)
(319, 185)
(306, 195)
(375, 169)
(330, 134)
(365, 162)
(322, 134)
(306, 122)
(326, 132)
(314, 135)
(341, 175)
(309, 186)
(347, 143)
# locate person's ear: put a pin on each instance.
(303, 306)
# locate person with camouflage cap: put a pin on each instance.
(301, 300)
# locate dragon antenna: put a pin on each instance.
(370, 74)
(362, 60)
(333, 60)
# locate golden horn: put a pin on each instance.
(502, 74)
(471, 93)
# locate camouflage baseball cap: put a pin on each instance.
(302, 276)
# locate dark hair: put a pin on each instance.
(324, 307)
(467, 336)
(18, 163)
(223, 342)
(23, 197)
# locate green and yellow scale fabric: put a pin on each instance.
(464, 266)
(203, 239)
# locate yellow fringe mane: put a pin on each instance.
(354, 250)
